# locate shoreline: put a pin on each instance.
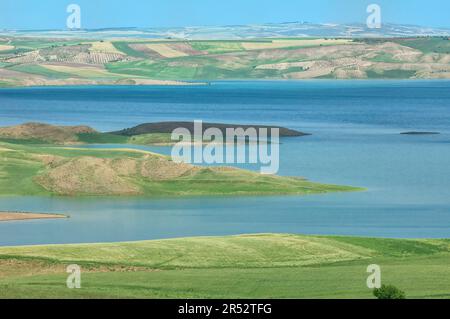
(6, 216)
(193, 82)
(168, 83)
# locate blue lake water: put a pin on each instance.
(355, 141)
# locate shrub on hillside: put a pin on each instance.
(389, 292)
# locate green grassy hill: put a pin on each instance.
(245, 266)
(30, 169)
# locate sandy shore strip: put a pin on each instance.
(11, 216)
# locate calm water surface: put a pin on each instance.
(355, 141)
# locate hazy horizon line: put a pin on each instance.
(218, 25)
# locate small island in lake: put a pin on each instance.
(419, 133)
(169, 127)
(143, 134)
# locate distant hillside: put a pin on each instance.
(26, 61)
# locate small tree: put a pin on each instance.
(388, 292)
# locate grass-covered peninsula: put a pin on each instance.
(245, 266)
(29, 169)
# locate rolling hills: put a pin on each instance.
(244, 266)
(133, 61)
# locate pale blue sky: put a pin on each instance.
(51, 14)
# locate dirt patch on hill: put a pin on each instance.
(5, 47)
(86, 176)
(142, 47)
(98, 176)
(16, 266)
(186, 48)
(45, 132)
(158, 168)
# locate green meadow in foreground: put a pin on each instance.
(245, 266)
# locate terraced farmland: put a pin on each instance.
(139, 61)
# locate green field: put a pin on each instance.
(95, 138)
(390, 74)
(427, 45)
(142, 139)
(125, 48)
(17, 169)
(197, 68)
(217, 46)
(385, 57)
(245, 266)
(39, 70)
(32, 44)
(151, 139)
(102, 138)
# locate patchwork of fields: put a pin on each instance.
(25, 61)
